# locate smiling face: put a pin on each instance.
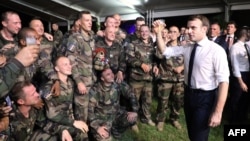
(37, 25)
(110, 34)
(144, 32)
(108, 76)
(12, 23)
(31, 97)
(63, 66)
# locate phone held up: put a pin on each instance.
(30, 41)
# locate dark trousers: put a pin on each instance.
(198, 105)
(239, 100)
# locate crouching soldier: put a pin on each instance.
(107, 118)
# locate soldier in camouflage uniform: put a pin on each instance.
(24, 117)
(57, 35)
(106, 117)
(61, 49)
(170, 83)
(43, 66)
(136, 35)
(114, 53)
(59, 109)
(141, 61)
(11, 25)
(79, 50)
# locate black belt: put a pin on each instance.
(191, 90)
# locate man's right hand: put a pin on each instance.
(145, 67)
(158, 26)
(28, 55)
(82, 88)
(66, 136)
(103, 132)
(81, 125)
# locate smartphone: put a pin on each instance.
(30, 41)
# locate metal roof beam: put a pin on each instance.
(188, 12)
(38, 9)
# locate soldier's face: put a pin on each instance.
(108, 76)
(110, 34)
(31, 96)
(86, 22)
(13, 23)
(145, 33)
(174, 33)
(138, 24)
(110, 22)
(37, 25)
(63, 66)
(165, 33)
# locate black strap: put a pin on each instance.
(246, 47)
(191, 63)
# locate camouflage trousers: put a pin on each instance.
(115, 128)
(170, 95)
(81, 102)
(76, 135)
(143, 93)
(42, 136)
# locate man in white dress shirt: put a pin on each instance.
(240, 82)
(206, 86)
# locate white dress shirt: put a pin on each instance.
(239, 58)
(210, 64)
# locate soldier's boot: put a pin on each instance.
(135, 128)
(151, 123)
(176, 124)
(160, 126)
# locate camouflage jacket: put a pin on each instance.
(8, 75)
(115, 55)
(104, 102)
(11, 52)
(137, 53)
(21, 128)
(59, 109)
(166, 67)
(42, 69)
(57, 37)
(79, 50)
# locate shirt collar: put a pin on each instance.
(242, 43)
(232, 35)
(203, 42)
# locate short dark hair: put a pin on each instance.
(106, 18)
(22, 34)
(204, 20)
(5, 15)
(232, 22)
(243, 31)
(17, 90)
(35, 18)
(82, 13)
(139, 19)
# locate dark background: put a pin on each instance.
(241, 17)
